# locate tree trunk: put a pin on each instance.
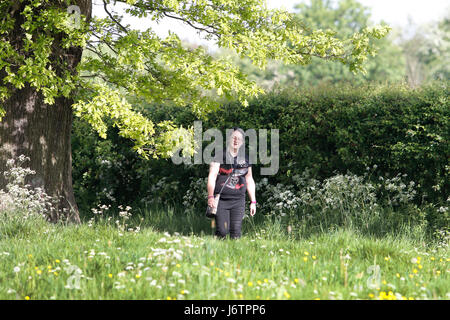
(40, 131)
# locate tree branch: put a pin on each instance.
(112, 17)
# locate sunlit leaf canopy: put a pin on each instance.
(122, 64)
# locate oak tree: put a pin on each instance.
(45, 79)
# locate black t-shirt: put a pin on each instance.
(238, 167)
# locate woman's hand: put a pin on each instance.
(211, 202)
(252, 209)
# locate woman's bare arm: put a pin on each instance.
(250, 184)
(213, 172)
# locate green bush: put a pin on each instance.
(395, 135)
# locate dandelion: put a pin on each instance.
(16, 269)
(314, 257)
(57, 261)
(371, 295)
(27, 298)
(305, 259)
(415, 270)
(287, 295)
(39, 272)
(250, 284)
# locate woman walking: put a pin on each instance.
(231, 206)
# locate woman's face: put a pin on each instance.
(236, 140)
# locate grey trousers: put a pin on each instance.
(230, 213)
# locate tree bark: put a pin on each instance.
(40, 131)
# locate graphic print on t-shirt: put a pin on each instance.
(236, 166)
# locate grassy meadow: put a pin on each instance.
(164, 254)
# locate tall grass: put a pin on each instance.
(99, 261)
(169, 253)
